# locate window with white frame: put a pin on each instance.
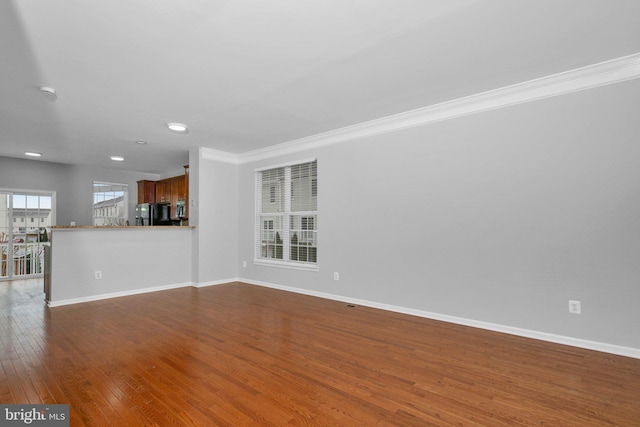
(109, 203)
(287, 215)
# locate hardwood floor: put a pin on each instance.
(236, 355)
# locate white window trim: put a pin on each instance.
(292, 265)
(284, 165)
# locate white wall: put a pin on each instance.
(498, 217)
(213, 190)
(131, 260)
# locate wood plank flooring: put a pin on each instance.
(242, 355)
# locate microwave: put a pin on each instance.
(180, 208)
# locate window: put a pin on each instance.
(303, 244)
(109, 203)
(287, 215)
(25, 219)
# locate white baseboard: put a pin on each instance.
(136, 292)
(543, 336)
(214, 283)
(116, 294)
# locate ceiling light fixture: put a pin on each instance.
(178, 127)
(117, 158)
(49, 92)
(32, 154)
(141, 142)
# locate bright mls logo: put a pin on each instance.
(37, 415)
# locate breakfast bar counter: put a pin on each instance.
(86, 263)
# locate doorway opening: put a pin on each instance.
(25, 228)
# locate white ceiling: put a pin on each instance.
(246, 74)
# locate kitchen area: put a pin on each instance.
(86, 263)
(163, 202)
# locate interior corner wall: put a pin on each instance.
(499, 217)
(213, 189)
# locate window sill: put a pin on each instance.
(286, 264)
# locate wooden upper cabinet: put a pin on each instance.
(169, 190)
(163, 191)
(173, 191)
(146, 191)
(183, 187)
(185, 191)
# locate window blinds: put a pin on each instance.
(287, 213)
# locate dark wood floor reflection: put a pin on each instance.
(236, 354)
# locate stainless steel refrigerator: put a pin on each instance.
(148, 214)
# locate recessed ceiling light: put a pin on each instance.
(33, 154)
(141, 142)
(117, 158)
(49, 92)
(178, 127)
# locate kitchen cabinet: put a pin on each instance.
(174, 193)
(183, 187)
(163, 191)
(186, 191)
(170, 190)
(146, 191)
(179, 192)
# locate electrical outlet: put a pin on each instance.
(244, 264)
(574, 307)
(98, 275)
(336, 276)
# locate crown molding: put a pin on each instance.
(219, 156)
(584, 78)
